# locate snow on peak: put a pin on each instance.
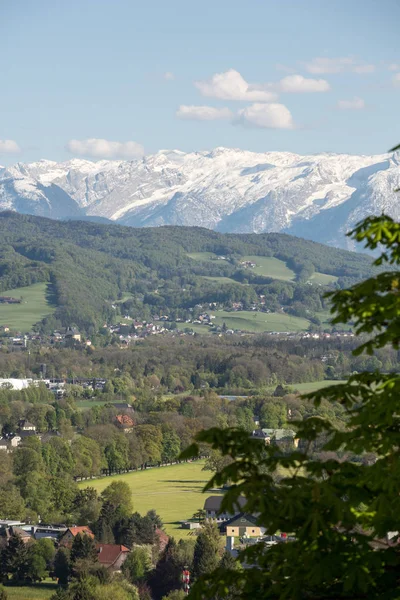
(316, 196)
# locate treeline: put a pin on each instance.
(161, 365)
(92, 265)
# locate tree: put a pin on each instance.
(119, 494)
(62, 565)
(12, 505)
(340, 512)
(83, 547)
(206, 558)
(15, 558)
(137, 565)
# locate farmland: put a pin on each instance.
(175, 492)
(270, 267)
(35, 305)
(37, 591)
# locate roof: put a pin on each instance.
(122, 405)
(108, 554)
(163, 538)
(279, 434)
(240, 520)
(125, 420)
(25, 423)
(214, 502)
(83, 530)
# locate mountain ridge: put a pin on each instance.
(319, 197)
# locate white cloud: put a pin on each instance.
(321, 65)
(9, 147)
(269, 116)
(203, 113)
(168, 76)
(396, 79)
(394, 67)
(98, 148)
(354, 104)
(299, 84)
(232, 86)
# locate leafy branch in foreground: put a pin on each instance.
(340, 512)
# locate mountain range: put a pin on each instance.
(318, 197)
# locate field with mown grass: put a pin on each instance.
(36, 591)
(175, 492)
(36, 304)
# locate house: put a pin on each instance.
(163, 539)
(7, 532)
(212, 507)
(5, 444)
(112, 556)
(125, 422)
(68, 537)
(72, 334)
(123, 406)
(242, 524)
(25, 425)
(276, 436)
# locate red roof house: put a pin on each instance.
(112, 556)
(68, 537)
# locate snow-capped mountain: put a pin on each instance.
(319, 197)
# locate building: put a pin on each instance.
(112, 556)
(124, 422)
(68, 537)
(25, 425)
(241, 525)
(212, 507)
(7, 532)
(276, 436)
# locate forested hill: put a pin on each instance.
(91, 265)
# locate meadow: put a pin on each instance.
(175, 492)
(270, 267)
(36, 304)
(259, 322)
(36, 591)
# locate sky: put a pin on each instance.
(105, 79)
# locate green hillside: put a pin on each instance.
(35, 304)
(100, 271)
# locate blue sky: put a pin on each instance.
(110, 79)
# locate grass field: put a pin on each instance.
(259, 322)
(37, 591)
(323, 279)
(34, 307)
(174, 492)
(271, 267)
(220, 279)
(305, 388)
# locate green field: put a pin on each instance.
(259, 322)
(174, 492)
(36, 591)
(220, 279)
(271, 267)
(196, 327)
(34, 307)
(323, 279)
(305, 388)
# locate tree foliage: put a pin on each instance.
(340, 512)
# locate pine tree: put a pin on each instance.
(205, 558)
(83, 547)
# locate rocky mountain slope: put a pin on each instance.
(318, 197)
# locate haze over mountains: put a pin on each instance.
(318, 197)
